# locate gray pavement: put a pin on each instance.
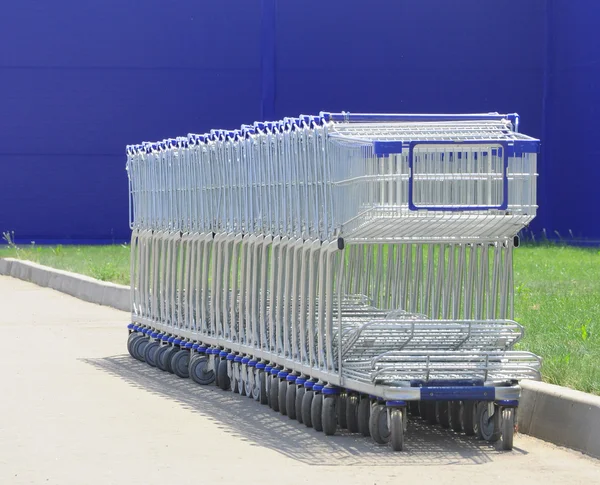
(76, 409)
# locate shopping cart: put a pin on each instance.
(344, 269)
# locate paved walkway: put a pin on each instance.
(76, 409)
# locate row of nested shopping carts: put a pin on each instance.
(345, 269)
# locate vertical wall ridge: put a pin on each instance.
(267, 53)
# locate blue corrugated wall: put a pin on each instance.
(80, 80)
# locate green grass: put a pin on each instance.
(557, 299)
(106, 263)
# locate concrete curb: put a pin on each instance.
(552, 413)
(560, 415)
(79, 286)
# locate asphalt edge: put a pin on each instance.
(552, 413)
(74, 284)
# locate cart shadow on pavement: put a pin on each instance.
(258, 424)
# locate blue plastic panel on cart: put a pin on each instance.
(519, 147)
(385, 148)
(458, 393)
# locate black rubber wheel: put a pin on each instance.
(422, 408)
(224, 382)
(240, 383)
(364, 412)
(507, 428)
(217, 361)
(169, 354)
(341, 411)
(352, 414)
(428, 411)
(488, 427)
(247, 384)
(268, 381)
(274, 394)
(290, 400)
(455, 416)
(397, 429)
(378, 425)
(263, 387)
(468, 417)
(316, 412)
(150, 353)
(309, 395)
(235, 383)
(283, 387)
(329, 414)
(256, 388)
(199, 373)
(131, 338)
(442, 413)
(413, 408)
(138, 348)
(159, 357)
(300, 390)
(180, 364)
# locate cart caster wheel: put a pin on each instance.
(241, 389)
(488, 427)
(397, 428)
(307, 400)
(329, 415)
(248, 384)
(159, 357)
(442, 414)
(224, 381)
(274, 394)
(199, 373)
(341, 411)
(508, 428)
(169, 354)
(138, 348)
(300, 390)
(263, 387)
(364, 413)
(455, 412)
(217, 360)
(268, 387)
(282, 396)
(150, 353)
(378, 424)
(180, 364)
(413, 408)
(256, 387)
(316, 412)
(290, 400)
(234, 380)
(131, 338)
(352, 414)
(428, 412)
(468, 417)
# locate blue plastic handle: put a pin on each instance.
(502, 206)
